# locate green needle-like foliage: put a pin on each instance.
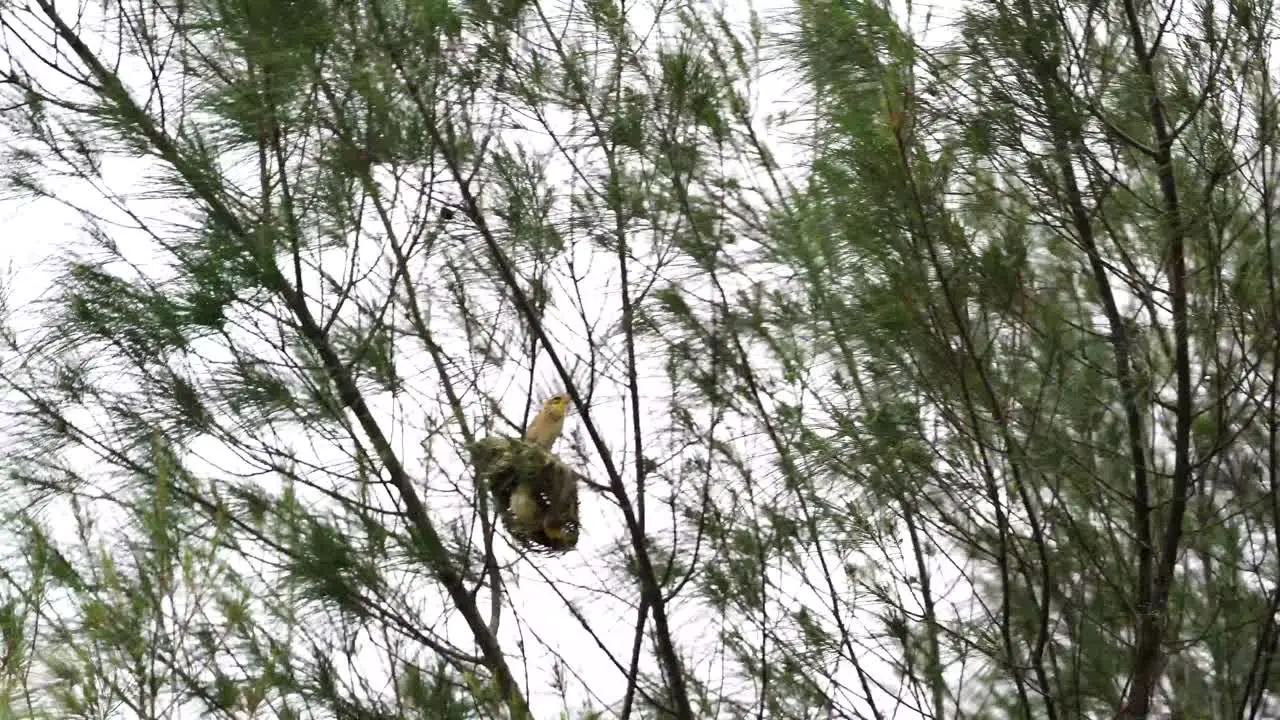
(924, 360)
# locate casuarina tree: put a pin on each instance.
(902, 361)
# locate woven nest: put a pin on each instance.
(504, 464)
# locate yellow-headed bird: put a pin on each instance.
(560, 499)
(545, 428)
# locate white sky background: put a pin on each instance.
(35, 232)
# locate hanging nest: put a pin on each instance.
(544, 514)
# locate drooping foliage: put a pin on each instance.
(924, 366)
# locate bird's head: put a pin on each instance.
(560, 536)
(557, 406)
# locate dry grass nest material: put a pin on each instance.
(504, 464)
